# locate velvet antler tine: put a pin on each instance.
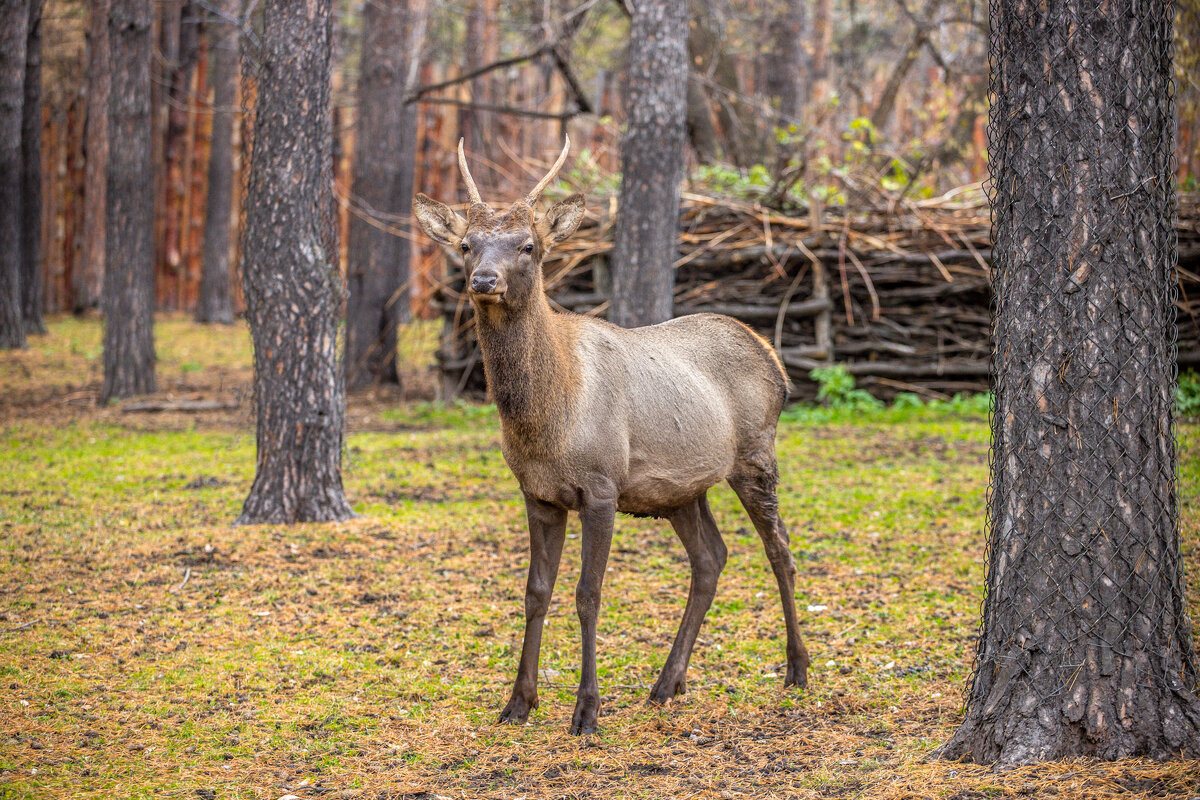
(472, 189)
(533, 196)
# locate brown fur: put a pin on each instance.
(599, 419)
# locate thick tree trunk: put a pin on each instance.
(294, 291)
(129, 208)
(14, 21)
(644, 246)
(384, 162)
(215, 303)
(31, 176)
(1086, 647)
(87, 280)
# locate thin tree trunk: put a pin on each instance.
(882, 114)
(644, 245)
(31, 176)
(384, 163)
(477, 126)
(14, 21)
(181, 47)
(712, 63)
(701, 131)
(822, 44)
(129, 208)
(785, 80)
(294, 291)
(1085, 647)
(87, 280)
(215, 303)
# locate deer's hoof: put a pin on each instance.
(517, 711)
(797, 675)
(666, 689)
(583, 728)
(583, 721)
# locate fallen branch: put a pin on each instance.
(183, 406)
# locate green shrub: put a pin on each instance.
(836, 390)
(1187, 395)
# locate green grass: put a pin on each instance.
(150, 649)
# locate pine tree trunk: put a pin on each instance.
(384, 162)
(129, 208)
(1085, 646)
(31, 176)
(87, 280)
(644, 247)
(294, 291)
(215, 303)
(14, 20)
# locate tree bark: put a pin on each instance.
(87, 280)
(384, 163)
(644, 245)
(31, 176)
(294, 291)
(1085, 644)
(14, 21)
(129, 208)
(215, 303)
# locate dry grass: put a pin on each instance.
(148, 648)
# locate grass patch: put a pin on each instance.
(150, 649)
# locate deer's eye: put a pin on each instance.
(466, 248)
(528, 248)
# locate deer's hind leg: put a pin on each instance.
(755, 481)
(696, 528)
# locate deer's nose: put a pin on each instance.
(486, 283)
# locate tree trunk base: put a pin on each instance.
(268, 506)
(1007, 738)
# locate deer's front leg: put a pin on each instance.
(597, 516)
(547, 526)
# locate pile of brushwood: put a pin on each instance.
(897, 291)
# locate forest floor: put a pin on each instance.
(150, 649)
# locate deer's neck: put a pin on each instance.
(532, 371)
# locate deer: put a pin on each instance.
(600, 420)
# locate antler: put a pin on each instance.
(533, 196)
(472, 189)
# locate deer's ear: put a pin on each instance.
(439, 222)
(561, 219)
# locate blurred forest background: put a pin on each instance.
(812, 89)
